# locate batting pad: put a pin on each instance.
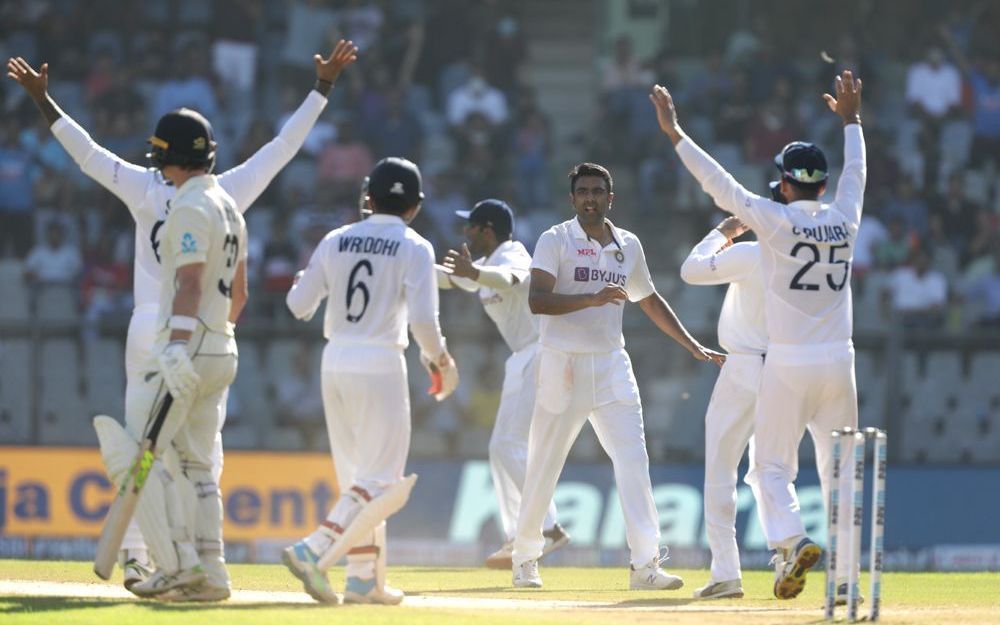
(151, 513)
(371, 515)
(118, 448)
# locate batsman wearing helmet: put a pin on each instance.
(377, 276)
(148, 197)
(203, 256)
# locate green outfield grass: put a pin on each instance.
(907, 598)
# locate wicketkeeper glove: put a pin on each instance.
(443, 373)
(177, 370)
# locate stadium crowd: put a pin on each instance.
(442, 82)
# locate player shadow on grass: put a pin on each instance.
(19, 605)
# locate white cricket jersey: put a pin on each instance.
(377, 275)
(806, 246)
(507, 308)
(203, 227)
(580, 265)
(148, 196)
(742, 326)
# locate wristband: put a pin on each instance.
(182, 322)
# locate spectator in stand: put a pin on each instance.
(18, 172)
(105, 287)
(985, 239)
(299, 398)
(399, 133)
(894, 249)
(191, 86)
(709, 88)
(532, 144)
(984, 292)
(958, 214)
(278, 264)
(234, 51)
(944, 255)
(909, 206)
(53, 262)
(918, 294)
(504, 50)
(984, 82)
(934, 93)
(871, 234)
(345, 162)
(361, 22)
(477, 96)
(311, 25)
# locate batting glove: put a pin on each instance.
(444, 375)
(177, 370)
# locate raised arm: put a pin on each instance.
(728, 194)
(247, 181)
(125, 180)
(715, 260)
(847, 105)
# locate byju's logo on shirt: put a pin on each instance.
(188, 244)
(586, 274)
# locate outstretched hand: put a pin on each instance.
(704, 354)
(666, 113)
(328, 69)
(35, 83)
(847, 101)
(460, 263)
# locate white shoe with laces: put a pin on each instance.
(160, 581)
(653, 577)
(526, 575)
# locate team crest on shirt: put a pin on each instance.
(188, 244)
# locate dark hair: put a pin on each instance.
(392, 205)
(806, 190)
(589, 169)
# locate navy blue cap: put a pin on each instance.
(494, 213)
(395, 177)
(802, 162)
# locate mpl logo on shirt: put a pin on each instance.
(586, 251)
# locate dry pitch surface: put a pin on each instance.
(67, 592)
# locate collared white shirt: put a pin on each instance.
(377, 276)
(203, 227)
(936, 90)
(806, 247)
(148, 196)
(911, 291)
(742, 326)
(581, 265)
(508, 308)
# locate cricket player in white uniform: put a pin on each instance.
(808, 376)
(148, 198)
(500, 277)
(377, 276)
(582, 272)
(729, 419)
(203, 253)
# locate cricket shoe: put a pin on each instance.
(729, 589)
(790, 576)
(358, 590)
(555, 538)
(501, 558)
(652, 576)
(161, 581)
(526, 575)
(842, 592)
(200, 593)
(135, 572)
(301, 561)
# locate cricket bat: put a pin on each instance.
(123, 507)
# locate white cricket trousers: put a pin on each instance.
(509, 441)
(802, 386)
(728, 428)
(189, 429)
(138, 354)
(571, 389)
(367, 405)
